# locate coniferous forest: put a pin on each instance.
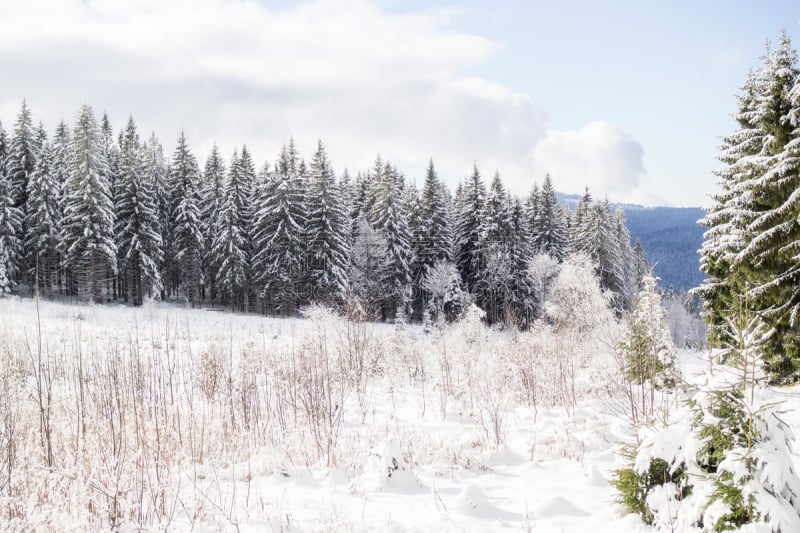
(92, 214)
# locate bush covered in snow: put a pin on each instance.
(721, 461)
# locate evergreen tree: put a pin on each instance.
(10, 228)
(750, 247)
(468, 208)
(22, 156)
(185, 233)
(494, 278)
(42, 222)
(388, 216)
(91, 252)
(548, 232)
(279, 236)
(231, 250)
(434, 233)
(327, 230)
(213, 192)
(520, 301)
(140, 245)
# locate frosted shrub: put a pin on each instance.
(576, 312)
(212, 370)
(647, 355)
(318, 370)
(720, 462)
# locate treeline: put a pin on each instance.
(751, 252)
(98, 216)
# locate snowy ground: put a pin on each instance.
(222, 456)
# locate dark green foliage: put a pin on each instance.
(634, 487)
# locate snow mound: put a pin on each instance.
(597, 478)
(558, 506)
(472, 500)
(387, 469)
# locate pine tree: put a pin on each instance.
(436, 237)
(389, 218)
(279, 236)
(495, 237)
(750, 247)
(43, 223)
(155, 172)
(771, 254)
(10, 228)
(231, 249)
(89, 212)
(548, 232)
(22, 156)
(327, 230)
(140, 245)
(520, 301)
(213, 192)
(468, 208)
(186, 234)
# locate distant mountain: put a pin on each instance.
(671, 238)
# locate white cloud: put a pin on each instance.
(599, 155)
(364, 80)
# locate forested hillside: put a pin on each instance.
(98, 215)
(671, 238)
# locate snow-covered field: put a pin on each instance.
(166, 418)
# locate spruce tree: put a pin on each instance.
(91, 252)
(231, 250)
(213, 192)
(389, 217)
(22, 156)
(468, 239)
(279, 236)
(186, 235)
(548, 232)
(140, 245)
(43, 223)
(10, 228)
(493, 282)
(327, 230)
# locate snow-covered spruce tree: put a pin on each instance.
(548, 232)
(772, 248)
(728, 216)
(10, 228)
(388, 216)
(231, 250)
(88, 224)
(491, 288)
(751, 242)
(327, 230)
(186, 270)
(468, 207)
(213, 193)
(140, 246)
(279, 236)
(111, 153)
(596, 233)
(155, 171)
(520, 302)
(19, 167)
(22, 156)
(723, 460)
(43, 222)
(647, 353)
(432, 235)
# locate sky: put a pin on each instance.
(627, 98)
